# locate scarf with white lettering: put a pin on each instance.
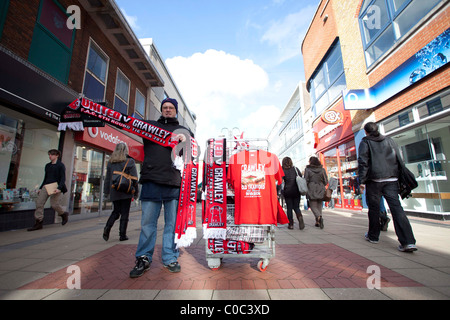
(229, 246)
(185, 227)
(215, 207)
(122, 121)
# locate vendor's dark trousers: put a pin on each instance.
(389, 190)
(121, 209)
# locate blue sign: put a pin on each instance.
(429, 59)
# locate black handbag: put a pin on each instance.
(406, 179)
(123, 182)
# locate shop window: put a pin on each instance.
(384, 22)
(86, 181)
(425, 152)
(51, 46)
(95, 75)
(122, 93)
(24, 145)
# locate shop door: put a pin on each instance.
(86, 181)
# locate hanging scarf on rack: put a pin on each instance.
(215, 208)
(229, 246)
(186, 231)
(185, 228)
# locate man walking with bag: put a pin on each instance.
(378, 170)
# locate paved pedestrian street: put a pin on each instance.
(335, 263)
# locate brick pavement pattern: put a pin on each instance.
(295, 266)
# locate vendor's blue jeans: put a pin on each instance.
(147, 240)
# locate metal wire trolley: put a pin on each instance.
(242, 241)
(260, 240)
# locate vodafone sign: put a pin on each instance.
(106, 138)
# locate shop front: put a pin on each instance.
(336, 148)
(93, 148)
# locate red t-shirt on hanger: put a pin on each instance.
(253, 174)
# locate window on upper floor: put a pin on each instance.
(122, 93)
(95, 74)
(385, 22)
(328, 81)
(139, 108)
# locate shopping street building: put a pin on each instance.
(384, 61)
(45, 65)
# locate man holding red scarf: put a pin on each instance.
(161, 182)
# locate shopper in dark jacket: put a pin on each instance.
(161, 181)
(317, 179)
(378, 170)
(121, 200)
(290, 192)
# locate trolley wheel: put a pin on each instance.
(214, 263)
(262, 265)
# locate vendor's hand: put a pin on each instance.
(57, 191)
(362, 187)
(180, 137)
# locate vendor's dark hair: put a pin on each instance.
(372, 129)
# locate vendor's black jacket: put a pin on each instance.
(377, 158)
(158, 164)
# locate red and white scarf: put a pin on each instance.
(215, 207)
(186, 226)
(229, 246)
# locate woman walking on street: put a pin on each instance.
(121, 200)
(317, 179)
(291, 193)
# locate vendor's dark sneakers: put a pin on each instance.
(384, 224)
(407, 248)
(142, 265)
(173, 267)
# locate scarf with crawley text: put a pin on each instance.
(185, 227)
(215, 207)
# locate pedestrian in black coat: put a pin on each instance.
(290, 192)
(121, 200)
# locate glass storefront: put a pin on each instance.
(86, 180)
(341, 163)
(426, 150)
(24, 145)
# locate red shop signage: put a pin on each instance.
(106, 138)
(333, 126)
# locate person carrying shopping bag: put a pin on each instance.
(291, 193)
(316, 179)
(119, 162)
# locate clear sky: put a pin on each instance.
(235, 62)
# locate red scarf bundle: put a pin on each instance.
(185, 229)
(186, 226)
(229, 246)
(215, 207)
